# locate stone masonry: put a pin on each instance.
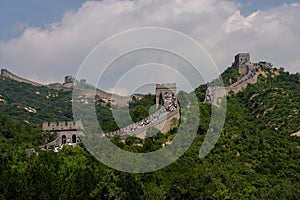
(67, 132)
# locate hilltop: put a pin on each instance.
(275, 92)
(68, 86)
(256, 156)
(33, 104)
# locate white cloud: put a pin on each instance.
(237, 22)
(47, 54)
(118, 91)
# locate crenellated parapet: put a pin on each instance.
(62, 126)
(170, 86)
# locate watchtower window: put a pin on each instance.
(63, 139)
(161, 100)
(73, 138)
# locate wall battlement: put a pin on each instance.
(62, 126)
(166, 86)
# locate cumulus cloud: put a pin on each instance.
(47, 54)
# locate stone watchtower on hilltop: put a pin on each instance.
(246, 68)
(69, 79)
(166, 96)
(242, 61)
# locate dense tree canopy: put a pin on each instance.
(255, 157)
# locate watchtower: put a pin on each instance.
(242, 61)
(166, 96)
(3, 71)
(67, 132)
(69, 79)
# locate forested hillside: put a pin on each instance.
(255, 158)
(34, 105)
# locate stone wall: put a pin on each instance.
(241, 58)
(243, 69)
(66, 137)
(163, 119)
(166, 96)
(69, 79)
(162, 89)
(242, 61)
(164, 122)
(213, 94)
(61, 126)
(6, 73)
(67, 132)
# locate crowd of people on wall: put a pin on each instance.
(170, 105)
(129, 130)
(250, 75)
(57, 147)
(210, 91)
(170, 102)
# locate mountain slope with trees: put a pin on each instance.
(255, 157)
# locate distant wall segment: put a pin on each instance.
(242, 61)
(6, 73)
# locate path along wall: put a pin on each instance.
(5, 72)
(213, 94)
(163, 122)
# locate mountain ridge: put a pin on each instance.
(255, 157)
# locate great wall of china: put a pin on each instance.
(162, 119)
(68, 86)
(242, 61)
(70, 132)
(6, 73)
(67, 132)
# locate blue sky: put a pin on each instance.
(16, 15)
(253, 5)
